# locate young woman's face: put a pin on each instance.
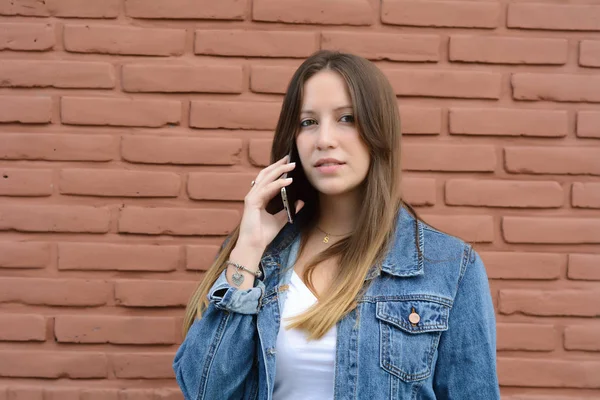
(334, 157)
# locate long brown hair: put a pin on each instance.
(378, 123)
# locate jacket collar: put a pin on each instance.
(402, 259)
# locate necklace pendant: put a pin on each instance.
(326, 239)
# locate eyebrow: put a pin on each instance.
(335, 109)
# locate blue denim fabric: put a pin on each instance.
(449, 354)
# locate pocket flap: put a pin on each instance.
(432, 316)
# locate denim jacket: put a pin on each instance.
(380, 353)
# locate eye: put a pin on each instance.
(305, 123)
(348, 118)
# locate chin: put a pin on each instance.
(334, 189)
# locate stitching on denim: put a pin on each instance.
(408, 297)
(211, 353)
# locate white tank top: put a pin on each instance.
(304, 370)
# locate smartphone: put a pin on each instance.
(286, 200)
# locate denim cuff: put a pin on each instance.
(234, 299)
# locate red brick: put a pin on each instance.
(143, 365)
(384, 46)
(117, 257)
(182, 78)
(419, 191)
(559, 230)
(106, 39)
(25, 109)
(186, 9)
(219, 186)
(348, 12)
(588, 124)
(548, 373)
(25, 182)
(550, 303)
(201, 257)
(421, 120)
(508, 50)
(556, 87)
(441, 157)
(539, 397)
(24, 254)
(48, 364)
(270, 79)
(54, 218)
(154, 394)
(234, 114)
(497, 193)
(454, 14)
(110, 183)
(62, 8)
(146, 293)
(119, 111)
(56, 147)
(101, 394)
(471, 228)
(589, 53)
(117, 330)
(510, 122)
(254, 43)
(177, 221)
(517, 265)
(24, 393)
(552, 160)
(586, 195)
(259, 152)
(527, 337)
(584, 267)
(554, 16)
(58, 74)
(181, 150)
(26, 36)
(55, 292)
(22, 327)
(61, 393)
(445, 83)
(582, 338)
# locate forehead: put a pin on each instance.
(325, 90)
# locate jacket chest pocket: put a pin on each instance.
(410, 331)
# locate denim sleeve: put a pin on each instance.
(216, 361)
(217, 358)
(229, 298)
(466, 365)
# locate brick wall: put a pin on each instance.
(130, 130)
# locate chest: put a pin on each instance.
(322, 274)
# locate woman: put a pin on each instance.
(357, 298)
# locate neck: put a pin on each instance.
(338, 214)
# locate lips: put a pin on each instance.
(328, 162)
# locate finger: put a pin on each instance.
(265, 171)
(277, 173)
(272, 189)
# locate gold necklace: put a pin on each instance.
(326, 238)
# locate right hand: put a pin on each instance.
(258, 228)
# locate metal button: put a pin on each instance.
(414, 318)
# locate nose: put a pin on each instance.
(326, 135)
